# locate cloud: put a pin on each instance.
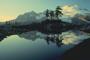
(69, 38)
(70, 10)
(73, 37)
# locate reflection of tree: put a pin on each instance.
(54, 39)
(33, 35)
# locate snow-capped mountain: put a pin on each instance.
(80, 19)
(28, 18)
(33, 17)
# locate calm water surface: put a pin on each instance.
(17, 48)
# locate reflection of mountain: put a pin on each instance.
(33, 35)
(66, 38)
(80, 52)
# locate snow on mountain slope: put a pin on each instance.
(28, 18)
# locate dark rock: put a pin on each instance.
(80, 52)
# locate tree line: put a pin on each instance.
(56, 13)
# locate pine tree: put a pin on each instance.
(52, 14)
(58, 12)
(47, 13)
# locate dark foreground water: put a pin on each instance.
(19, 48)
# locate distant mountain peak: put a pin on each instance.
(28, 18)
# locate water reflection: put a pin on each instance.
(66, 38)
(14, 47)
(55, 39)
(37, 46)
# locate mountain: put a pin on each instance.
(33, 17)
(78, 19)
(28, 18)
(87, 16)
(81, 19)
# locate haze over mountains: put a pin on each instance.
(33, 17)
(28, 18)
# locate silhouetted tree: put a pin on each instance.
(58, 12)
(47, 13)
(51, 14)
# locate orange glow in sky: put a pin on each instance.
(6, 18)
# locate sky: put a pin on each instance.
(10, 9)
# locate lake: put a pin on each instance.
(23, 47)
